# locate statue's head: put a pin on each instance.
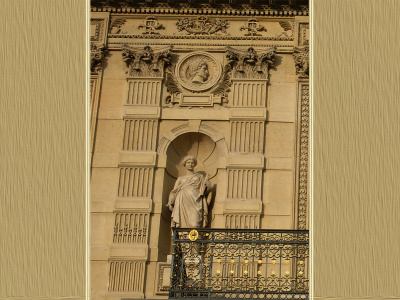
(187, 158)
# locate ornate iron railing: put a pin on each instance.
(239, 264)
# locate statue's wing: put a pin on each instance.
(286, 25)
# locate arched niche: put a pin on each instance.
(207, 150)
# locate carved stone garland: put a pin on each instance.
(202, 25)
(251, 64)
(301, 60)
(146, 62)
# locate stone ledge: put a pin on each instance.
(141, 112)
(242, 207)
(137, 159)
(245, 161)
(248, 114)
(134, 204)
(195, 114)
(136, 252)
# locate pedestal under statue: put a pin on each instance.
(190, 198)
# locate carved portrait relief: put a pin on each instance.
(198, 71)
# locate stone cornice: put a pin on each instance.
(284, 8)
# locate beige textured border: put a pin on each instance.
(356, 161)
(43, 140)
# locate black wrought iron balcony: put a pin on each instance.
(239, 264)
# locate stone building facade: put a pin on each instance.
(225, 81)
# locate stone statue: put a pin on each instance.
(190, 198)
(200, 72)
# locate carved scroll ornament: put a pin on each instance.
(301, 60)
(202, 26)
(251, 64)
(146, 61)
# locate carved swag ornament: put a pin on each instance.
(202, 26)
(146, 62)
(250, 64)
(97, 53)
(301, 60)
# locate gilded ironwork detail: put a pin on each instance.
(193, 235)
(240, 264)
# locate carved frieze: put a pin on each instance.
(301, 60)
(253, 26)
(251, 64)
(151, 25)
(146, 62)
(202, 26)
(97, 53)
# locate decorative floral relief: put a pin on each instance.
(202, 26)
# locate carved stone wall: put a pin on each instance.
(171, 79)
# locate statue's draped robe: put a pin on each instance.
(187, 198)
